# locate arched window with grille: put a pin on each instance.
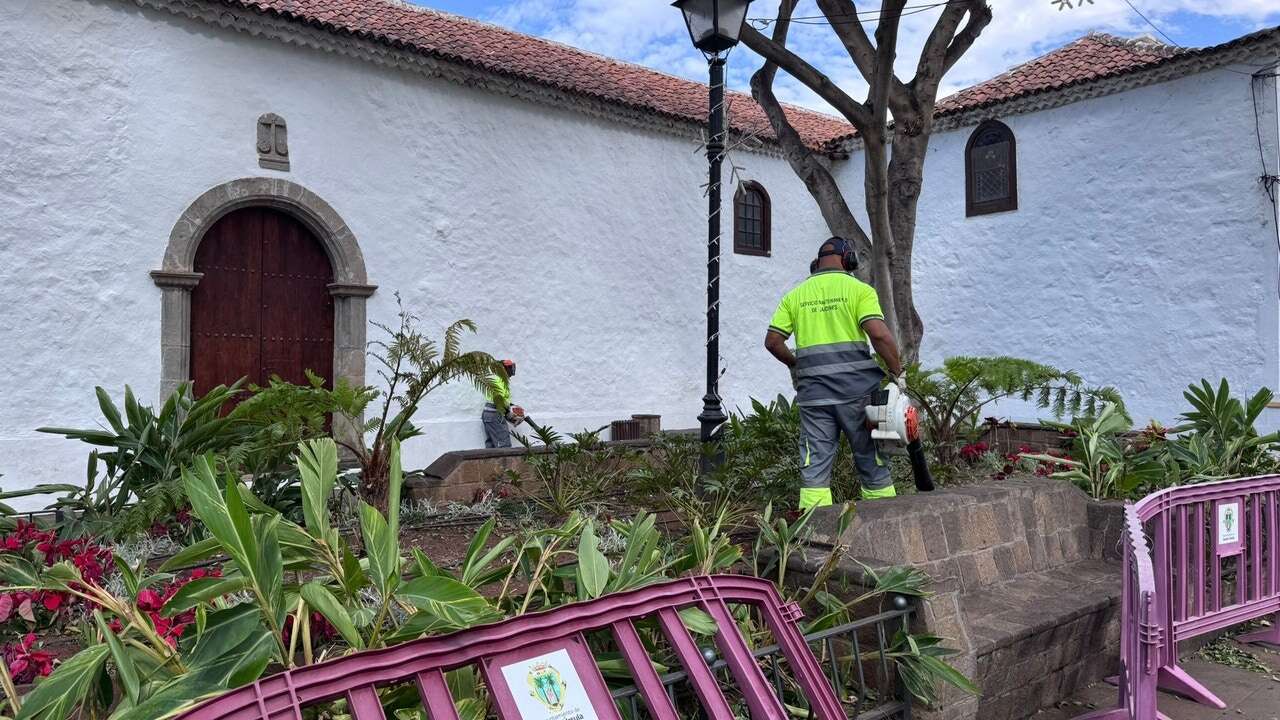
(991, 170)
(751, 220)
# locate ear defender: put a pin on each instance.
(843, 248)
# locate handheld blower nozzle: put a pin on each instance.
(894, 420)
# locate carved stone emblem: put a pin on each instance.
(273, 142)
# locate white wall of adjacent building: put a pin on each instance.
(1141, 254)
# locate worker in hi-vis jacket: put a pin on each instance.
(832, 316)
(499, 411)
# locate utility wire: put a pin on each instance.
(861, 16)
(1163, 34)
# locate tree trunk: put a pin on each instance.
(375, 479)
(892, 181)
(906, 174)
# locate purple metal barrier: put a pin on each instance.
(1140, 636)
(542, 661)
(1217, 563)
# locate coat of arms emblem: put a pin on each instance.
(547, 686)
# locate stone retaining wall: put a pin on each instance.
(1026, 583)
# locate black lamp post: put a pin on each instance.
(713, 27)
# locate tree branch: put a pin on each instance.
(812, 172)
(979, 18)
(855, 112)
(944, 47)
(861, 51)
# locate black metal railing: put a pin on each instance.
(843, 651)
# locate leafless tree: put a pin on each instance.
(893, 154)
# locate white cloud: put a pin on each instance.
(651, 33)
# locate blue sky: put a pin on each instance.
(651, 33)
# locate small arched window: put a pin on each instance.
(751, 220)
(991, 170)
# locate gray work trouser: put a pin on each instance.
(497, 434)
(820, 429)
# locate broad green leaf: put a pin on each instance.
(109, 410)
(194, 553)
(55, 697)
(477, 545)
(124, 661)
(447, 599)
(427, 568)
(61, 574)
(593, 567)
(377, 542)
(270, 565)
(210, 506)
(203, 590)
(127, 574)
(223, 631)
(321, 600)
(474, 573)
(170, 697)
(318, 466)
(698, 621)
(242, 525)
(18, 572)
(394, 481)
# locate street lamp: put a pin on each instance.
(713, 28)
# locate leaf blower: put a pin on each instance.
(894, 423)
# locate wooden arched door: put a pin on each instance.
(263, 307)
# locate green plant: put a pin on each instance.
(568, 474)
(1105, 462)
(412, 366)
(1218, 438)
(761, 465)
(954, 396)
(133, 479)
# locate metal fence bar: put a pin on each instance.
(825, 639)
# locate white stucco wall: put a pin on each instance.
(1141, 255)
(577, 245)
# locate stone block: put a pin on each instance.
(1006, 562)
(978, 569)
(1006, 530)
(935, 537)
(914, 543)
(1022, 557)
(1052, 551)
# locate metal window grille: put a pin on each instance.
(751, 220)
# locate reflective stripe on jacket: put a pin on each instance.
(833, 359)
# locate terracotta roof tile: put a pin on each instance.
(540, 61)
(1092, 57)
(506, 52)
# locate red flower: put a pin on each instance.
(52, 601)
(149, 600)
(26, 663)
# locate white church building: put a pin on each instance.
(210, 189)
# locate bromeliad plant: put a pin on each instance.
(569, 474)
(1218, 439)
(133, 479)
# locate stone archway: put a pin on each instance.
(177, 277)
